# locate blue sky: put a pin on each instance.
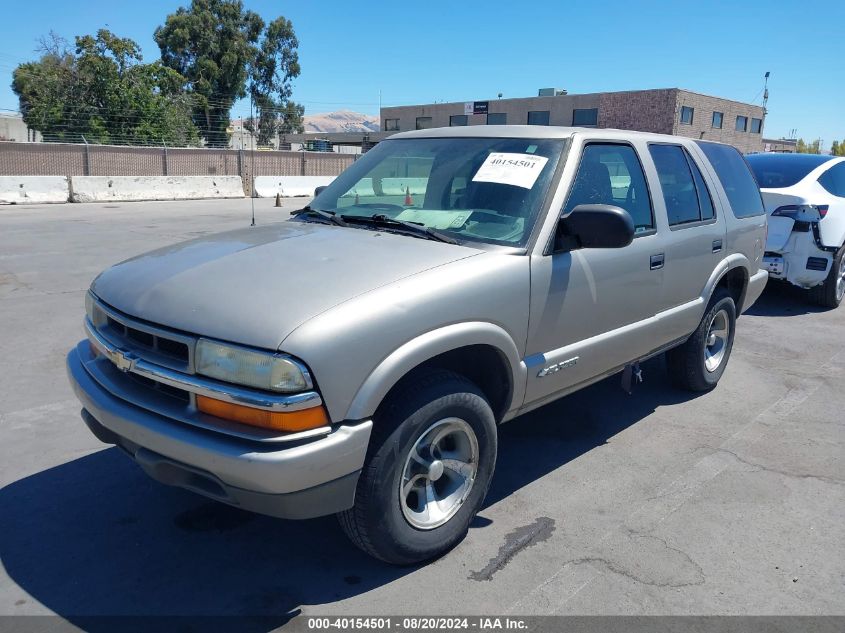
(419, 52)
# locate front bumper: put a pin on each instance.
(310, 479)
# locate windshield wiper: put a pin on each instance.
(413, 228)
(329, 216)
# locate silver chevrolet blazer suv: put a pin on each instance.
(358, 357)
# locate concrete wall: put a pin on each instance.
(33, 189)
(288, 186)
(65, 159)
(129, 188)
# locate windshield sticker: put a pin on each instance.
(436, 218)
(519, 170)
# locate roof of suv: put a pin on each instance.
(531, 131)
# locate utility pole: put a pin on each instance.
(765, 92)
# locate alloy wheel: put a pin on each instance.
(439, 473)
(717, 340)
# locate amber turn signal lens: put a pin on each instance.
(302, 420)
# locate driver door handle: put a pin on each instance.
(657, 261)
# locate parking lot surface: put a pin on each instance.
(660, 502)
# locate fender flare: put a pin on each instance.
(735, 260)
(425, 347)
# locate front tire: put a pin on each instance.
(428, 468)
(830, 293)
(698, 364)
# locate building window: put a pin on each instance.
(756, 126)
(456, 120)
(717, 120)
(686, 115)
(741, 123)
(423, 122)
(585, 116)
(391, 125)
(497, 118)
(538, 117)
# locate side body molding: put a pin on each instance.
(426, 347)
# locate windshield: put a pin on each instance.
(477, 189)
(775, 171)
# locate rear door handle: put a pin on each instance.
(657, 261)
(717, 246)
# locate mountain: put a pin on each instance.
(341, 121)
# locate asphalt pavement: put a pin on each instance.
(660, 502)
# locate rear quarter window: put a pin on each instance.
(777, 171)
(737, 180)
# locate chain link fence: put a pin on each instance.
(56, 159)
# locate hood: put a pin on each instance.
(254, 286)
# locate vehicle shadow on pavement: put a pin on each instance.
(545, 439)
(780, 299)
(96, 537)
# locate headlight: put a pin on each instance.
(93, 311)
(247, 367)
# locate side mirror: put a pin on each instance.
(319, 190)
(594, 226)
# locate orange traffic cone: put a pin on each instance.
(409, 201)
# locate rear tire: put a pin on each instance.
(698, 364)
(830, 293)
(428, 468)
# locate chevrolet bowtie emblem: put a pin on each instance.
(125, 361)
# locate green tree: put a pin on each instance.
(103, 93)
(227, 53)
(838, 148)
(803, 147)
(291, 119)
(274, 118)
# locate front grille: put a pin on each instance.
(174, 392)
(145, 340)
(816, 263)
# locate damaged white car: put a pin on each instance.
(804, 196)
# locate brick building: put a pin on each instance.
(665, 111)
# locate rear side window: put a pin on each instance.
(680, 189)
(612, 174)
(776, 171)
(705, 200)
(736, 178)
(834, 180)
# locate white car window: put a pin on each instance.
(834, 180)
